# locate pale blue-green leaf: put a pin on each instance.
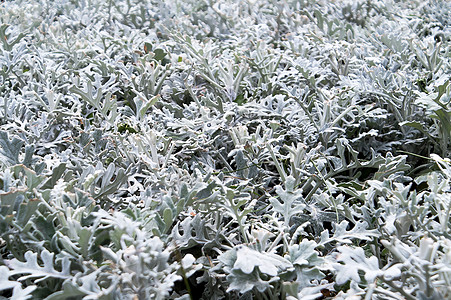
(34, 270)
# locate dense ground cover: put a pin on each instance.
(253, 149)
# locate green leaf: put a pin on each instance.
(32, 179)
(4, 38)
(168, 219)
(416, 125)
(147, 47)
(26, 211)
(243, 283)
(10, 149)
(57, 172)
(159, 54)
(45, 226)
(391, 166)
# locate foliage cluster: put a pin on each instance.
(252, 149)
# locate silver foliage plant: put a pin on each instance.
(225, 149)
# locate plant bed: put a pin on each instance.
(225, 149)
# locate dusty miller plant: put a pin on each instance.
(225, 149)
